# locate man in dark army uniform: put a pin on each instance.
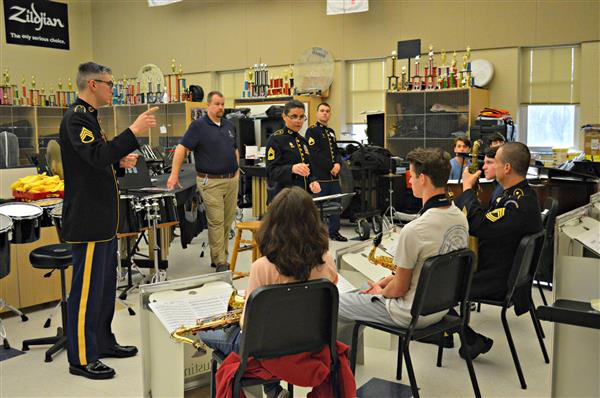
(90, 220)
(499, 228)
(288, 159)
(326, 161)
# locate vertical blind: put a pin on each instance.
(365, 83)
(550, 75)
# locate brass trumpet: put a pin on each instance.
(231, 317)
(384, 261)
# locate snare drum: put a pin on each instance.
(56, 216)
(6, 226)
(130, 218)
(47, 205)
(167, 205)
(26, 220)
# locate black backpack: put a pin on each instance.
(374, 158)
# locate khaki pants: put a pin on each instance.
(220, 199)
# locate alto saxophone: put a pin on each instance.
(473, 241)
(384, 261)
(231, 317)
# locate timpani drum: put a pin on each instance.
(6, 226)
(27, 220)
(47, 205)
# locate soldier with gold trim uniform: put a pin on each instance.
(327, 162)
(90, 220)
(499, 228)
(288, 158)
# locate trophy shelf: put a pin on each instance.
(430, 118)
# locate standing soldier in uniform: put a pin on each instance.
(90, 220)
(327, 162)
(288, 160)
(499, 229)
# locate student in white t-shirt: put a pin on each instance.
(440, 228)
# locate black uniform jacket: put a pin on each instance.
(285, 148)
(90, 207)
(499, 229)
(324, 151)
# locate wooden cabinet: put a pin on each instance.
(26, 286)
(430, 118)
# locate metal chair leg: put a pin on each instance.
(440, 351)
(399, 359)
(354, 346)
(513, 350)
(542, 293)
(463, 342)
(411, 373)
(539, 333)
(213, 376)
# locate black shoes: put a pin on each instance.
(338, 237)
(481, 346)
(119, 351)
(95, 371)
(222, 267)
(447, 341)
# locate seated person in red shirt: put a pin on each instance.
(294, 244)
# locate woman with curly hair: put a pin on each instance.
(294, 244)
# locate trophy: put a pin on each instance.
(59, 100)
(430, 72)
(469, 75)
(33, 93)
(5, 96)
(69, 92)
(403, 82)
(393, 79)
(416, 79)
(453, 71)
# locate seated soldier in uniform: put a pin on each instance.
(499, 228)
(489, 171)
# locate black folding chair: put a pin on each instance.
(283, 320)
(520, 279)
(545, 265)
(444, 282)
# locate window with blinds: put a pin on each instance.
(231, 84)
(365, 82)
(550, 95)
(550, 75)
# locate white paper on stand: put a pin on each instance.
(183, 308)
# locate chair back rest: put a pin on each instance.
(290, 318)
(445, 281)
(525, 262)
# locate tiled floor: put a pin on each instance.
(29, 376)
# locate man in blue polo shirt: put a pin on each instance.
(213, 141)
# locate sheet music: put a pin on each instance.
(343, 285)
(185, 308)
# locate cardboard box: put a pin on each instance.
(591, 143)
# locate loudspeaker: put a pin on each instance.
(375, 129)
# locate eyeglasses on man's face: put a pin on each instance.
(297, 117)
(109, 83)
